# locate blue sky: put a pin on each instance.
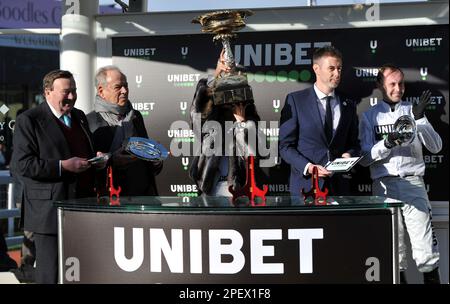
(183, 5)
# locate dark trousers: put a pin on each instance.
(46, 258)
(28, 249)
(338, 184)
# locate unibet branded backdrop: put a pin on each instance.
(163, 72)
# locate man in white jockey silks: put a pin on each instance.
(397, 169)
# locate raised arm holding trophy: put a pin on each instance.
(231, 85)
(228, 100)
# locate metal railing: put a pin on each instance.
(11, 210)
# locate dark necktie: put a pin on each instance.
(328, 120)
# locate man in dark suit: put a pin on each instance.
(112, 122)
(51, 147)
(318, 125)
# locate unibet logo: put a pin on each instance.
(183, 107)
(138, 80)
(280, 76)
(144, 53)
(424, 73)
(143, 107)
(435, 101)
(433, 161)
(183, 80)
(181, 135)
(271, 133)
(276, 105)
(365, 188)
(382, 130)
(373, 46)
(184, 190)
(278, 188)
(367, 74)
(184, 51)
(423, 44)
(168, 249)
(277, 54)
(185, 162)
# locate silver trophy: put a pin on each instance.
(146, 149)
(406, 128)
(230, 87)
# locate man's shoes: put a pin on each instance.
(25, 273)
(432, 277)
(6, 263)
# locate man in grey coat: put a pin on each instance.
(112, 122)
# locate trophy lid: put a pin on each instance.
(223, 22)
(231, 87)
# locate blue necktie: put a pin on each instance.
(66, 120)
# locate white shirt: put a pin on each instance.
(335, 109)
(56, 113)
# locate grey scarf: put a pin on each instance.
(112, 113)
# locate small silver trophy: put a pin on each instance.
(146, 149)
(231, 87)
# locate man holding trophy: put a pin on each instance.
(224, 106)
(397, 166)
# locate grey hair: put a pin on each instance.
(100, 76)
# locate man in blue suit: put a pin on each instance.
(318, 125)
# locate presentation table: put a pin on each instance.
(210, 240)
